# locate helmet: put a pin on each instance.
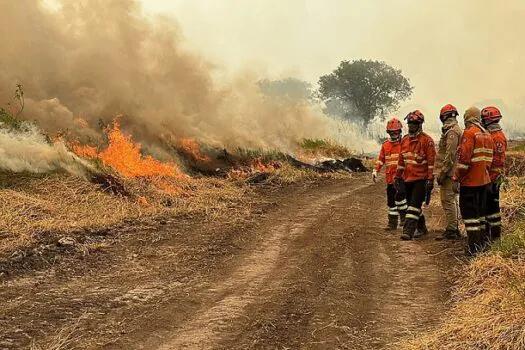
(415, 117)
(448, 111)
(490, 115)
(394, 125)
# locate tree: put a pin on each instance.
(289, 88)
(363, 89)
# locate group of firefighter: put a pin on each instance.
(469, 163)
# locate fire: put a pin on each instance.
(191, 147)
(84, 151)
(123, 155)
(258, 165)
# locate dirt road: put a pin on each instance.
(307, 268)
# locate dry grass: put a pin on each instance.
(61, 204)
(488, 304)
(488, 309)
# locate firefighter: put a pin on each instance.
(389, 156)
(445, 166)
(472, 175)
(490, 117)
(415, 174)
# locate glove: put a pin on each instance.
(441, 178)
(429, 185)
(374, 175)
(455, 186)
(399, 185)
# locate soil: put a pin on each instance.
(306, 267)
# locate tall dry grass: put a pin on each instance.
(488, 300)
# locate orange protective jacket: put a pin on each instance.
(416, 158)
(499, 157)
(474, 157)
(389, 156)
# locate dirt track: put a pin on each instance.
(308, 268)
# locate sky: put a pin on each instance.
(462, 52)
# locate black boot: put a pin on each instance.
(402, 215)
(392, 223)
(449, 234)
(495, 233)
(474, 243)
(421, 228)
(409, 229)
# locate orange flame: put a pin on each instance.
(191, 147)
(84, 151)
(124, 156)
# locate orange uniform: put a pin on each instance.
(475, 152)
(416, 158)
(389, 156)
(499, 157)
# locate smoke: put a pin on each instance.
(96, 59)
(28, 151)
(460, 52)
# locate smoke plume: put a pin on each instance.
(96, 59)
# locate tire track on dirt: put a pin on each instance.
(243, 286)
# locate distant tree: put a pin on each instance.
(290, 88)
(363, 89)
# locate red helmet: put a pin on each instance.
(490, 114)
(448, 111)
(415, 117)
(394, 125)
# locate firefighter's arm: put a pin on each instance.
(451, 152)
(400, 166)
(380, 160)
(465, 151)
(431, 158)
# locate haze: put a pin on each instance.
(461, 52)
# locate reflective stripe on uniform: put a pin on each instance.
(481, 159)
(391, 163)
(472, 228)
(399, 167)
(495, 224)
(471, 221)
(412, 216)
(408, 161)
(393, 156)
(483, 150)
(379, 162)
(414, 209)
(462, 166)
(494, 216)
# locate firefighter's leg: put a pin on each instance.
(482, 212)
(448, 202)
(493, 215)
(414, 208)
(418, 197)
(468, 201)
(402, 206)
(392, 209)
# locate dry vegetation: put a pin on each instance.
(488, 304)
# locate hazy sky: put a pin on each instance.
(460, 52)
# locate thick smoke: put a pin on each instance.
(28, 151)
(99, 58)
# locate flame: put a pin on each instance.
(258, 165)
(123, 155)
(86, 151)
(191, 147)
